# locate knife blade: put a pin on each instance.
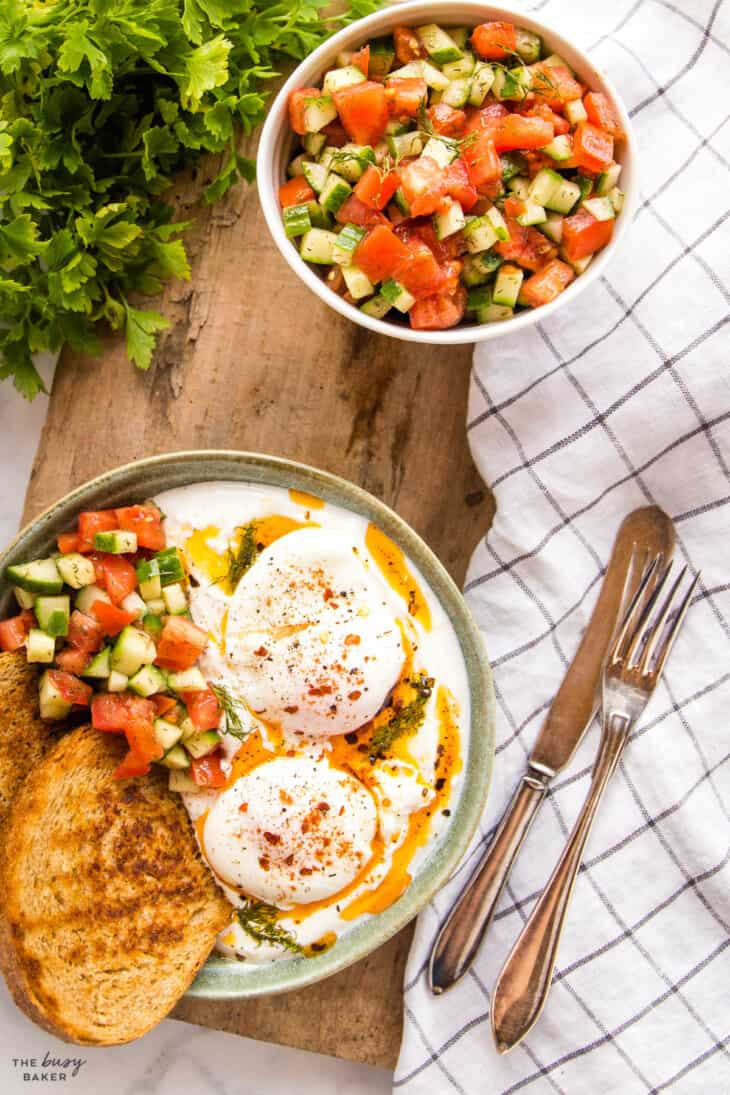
(647, 529)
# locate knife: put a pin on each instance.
(648, 529)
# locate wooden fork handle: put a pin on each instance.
(524, 982)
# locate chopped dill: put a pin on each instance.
(242, 554)
(233, 709)
(405, 721)
(259, 921)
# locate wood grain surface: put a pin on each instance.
(255, 361)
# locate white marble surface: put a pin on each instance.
(176, 1058)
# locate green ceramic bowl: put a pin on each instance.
(221, 977)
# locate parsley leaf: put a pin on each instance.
(141, 327)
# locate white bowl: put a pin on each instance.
(277, 139)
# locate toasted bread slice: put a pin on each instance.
(23, 737)
(107, 910)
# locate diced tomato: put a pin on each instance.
(494, 41)
(547, 284)
(376, 188)
(203, 709)
(407, 45)
(67, 542)
(335, 135)
(353, 211)
(131, 766)
(424, 185)
(380, 254)
(438, 312)
(297, 104)
(421, 273)
(146, 523)
(554, 84)
(405, 96)
(592, 148)
(446, 120)
(482, 161)
(484, 117)
(363, 111)
(518, 131)
(91, 522)
(449, 248)
(72, 660)
(526, 246)
(112, 619)
(84, 632)
(583, 235)
(513, 207)
(142, 741)
(543, 110)
(115, 574)
(361, 60)
(181, 644)
(164, 704)
(295, 191)
(207, 771)
(14, 632)
(459, 186)
(603, 114)
(71, 688)
(452, 271)
(114, 711)
(394, 215)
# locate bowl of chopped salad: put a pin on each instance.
(447, 172)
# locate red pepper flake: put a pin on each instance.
(354, 695)
(323, 806)
(322, 690)
(261, 652)
(263, 863)
(305, 870)
(272, 838)
(292, 710)
(352, 640)
(243, 807)
(285, 796)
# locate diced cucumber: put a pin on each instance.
(337, 78)
(382, 55)
(532, 214)
(575, 111)
(439, 45)
(377, 307)
(507, 285)
(134, 603)
(606, 181)
(152, 623)
(407, 144)
(556, 61)
(318, 216)
(463, 67)
(315, 174)
(479, 297)
(40, 576)
(147, 680)
(494, 313)
(551, 190)
(397, 295)
(565, 196)
(401, 202)
(156, 607)
(181, 782)
(167, 734)
(520, 187)
(580, 265)
(528, 45)
(319, 112)
(585, 186)
(117, 681)
(86, 597)
(560, 148)
(441, 150)
(498, 223)
(395, 126)
(459, 35)
(616, 197)
(52, 704)
(39, 647)
(151, 589)
(167, 565)
(433, 76)
(334, 193)
(313, 143)
(295, 167)
(188, 728)
(512, 83)
(53, 614)
(448, 220)
(457, 93)
(117, 542)
(200, 745)
(347, 243)
(76, 570)
(100, 665)
(350, 161)
(344, 57)
(175, 599)
(358, 283)
(479, 268)
(132, 650)
(481, 83)
(553, 227)
(24, 599)
(479, 234)
(188, 680)
(176, 758)
(513, 164)
(601, 208)
(296, 220)
(317, 245)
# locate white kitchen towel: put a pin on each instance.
(620, 401)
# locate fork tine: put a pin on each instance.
(668, 642)
(624, 631)
(655, 632)
(641, 630)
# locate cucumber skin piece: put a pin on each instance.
(39, 576)
(39, 647)
(76, 570)
(99, 667)
(52, 703)
(132, 650)
(203, 743)
(53, 614)
(117, 542)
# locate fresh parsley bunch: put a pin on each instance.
(101, 102)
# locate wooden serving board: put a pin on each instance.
(255, 361)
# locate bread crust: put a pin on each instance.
(24, 738)
(107, 910)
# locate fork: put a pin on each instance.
(633, 668)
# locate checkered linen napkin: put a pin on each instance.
(621, 401)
